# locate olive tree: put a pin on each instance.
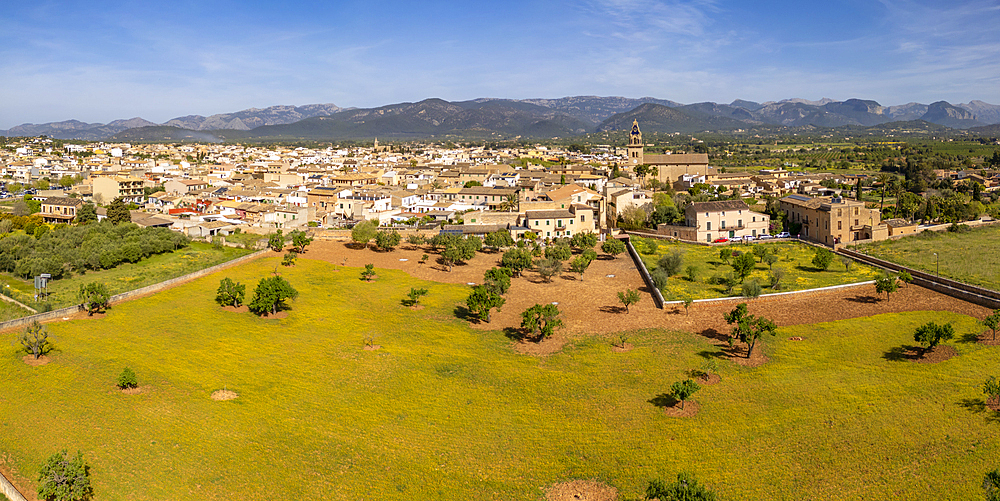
(94, 297)
(35, 339)
(992, 322)
(748, 328)
(931, 334)
(887, 284)
(230, 293)
(613, 247)
(270, 295)
(628, 297)
(682, 390)
(62, 478)
(364, 232)
(482, 301)
(540, 320)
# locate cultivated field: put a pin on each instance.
(444, 411)
(969, 257)
(127, 276)
(794, 259)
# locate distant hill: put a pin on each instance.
(659, 118)
(488, 118)
(944, 113)
(164, 133)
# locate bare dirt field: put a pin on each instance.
(591, 306)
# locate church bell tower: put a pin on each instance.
(634, 149)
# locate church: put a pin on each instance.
(669, 167)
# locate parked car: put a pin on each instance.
(764, 237)
(783, 234)
(720, 240)
(749, 238)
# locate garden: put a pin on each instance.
(355, 394)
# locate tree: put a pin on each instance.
(498, 239)
(415, 294)
(887, 284)
(94, 296)
(548, 268)
(118, 212)
(671, 263)
(270, 295)
(579, 264)
(540, 320)
(289, 258)
(482, 301)
(682, 390)
(368, 272)
(230, 293)
(276, 241)
(846, 261)
(992, 322)
(558, 252)
(86, 214)
(725, 254)
(628, 297)
(613, 247)
(364, 232)
(931, 334)
(822, 259)
(991, 482)
(387, 240)
(460, 250)
(751, 289)
(687, 305)
(991, 388)
(127, 379)
(760, 251)
(35, 339)
(748, 328)
(686, 488)
(770, 259)
(497, 280)
(743, 265)
(64, 479)
(516, 260)
(584, 240)
(300, 240)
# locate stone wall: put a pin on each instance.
(639, 265)
(8, 490)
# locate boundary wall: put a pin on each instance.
(639, 265)
(9, 490)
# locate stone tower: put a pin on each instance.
(635, 156)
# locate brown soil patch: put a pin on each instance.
(986, 337)
(35, 362)
(373, 347)
(280, 314)
(796, 338)
(709, 380)
(581, 490)
(690, 409)
(622, 348)
(590, 306)
(220, 395)
(135, 391)
(940, 353)
(416, 307)
(543, 348)
(993, 404)
(236, 309)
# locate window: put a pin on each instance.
(583, 217)
(547, 221)
(839, 225)
(739, 223)
(708, 225)
(723, 225)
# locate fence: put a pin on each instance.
(644, 273)
(966, 292)
(9, 490)
(117, 298)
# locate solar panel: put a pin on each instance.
(800, 198)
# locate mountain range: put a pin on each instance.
(488, 118)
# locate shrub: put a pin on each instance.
(127, 379)
(94, 296)
(822, 259)
(660, 278)
(613, 247)
(686, 488)
(692, 273)
(560, 252)
(368, 272)
(751, 289)
(270, 295)
(682, 390)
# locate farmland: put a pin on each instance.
(443, 411)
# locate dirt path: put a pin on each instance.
(591, 306)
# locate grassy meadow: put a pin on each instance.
(794, 258)
(968, 257)
(127, 276)
(443, 411)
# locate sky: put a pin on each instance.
(98, 61)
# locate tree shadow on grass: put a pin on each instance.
(664, 400)
(709, 354)
(969, 337)
(612, 309)
(514, 334)
(978, 406)
(461, 312)
(711, 333)
(903, 353)
(864, 299)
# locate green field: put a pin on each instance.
(967, 257)
(794, 258)
(443, 411)
(127, 276)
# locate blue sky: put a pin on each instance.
(98, 61)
